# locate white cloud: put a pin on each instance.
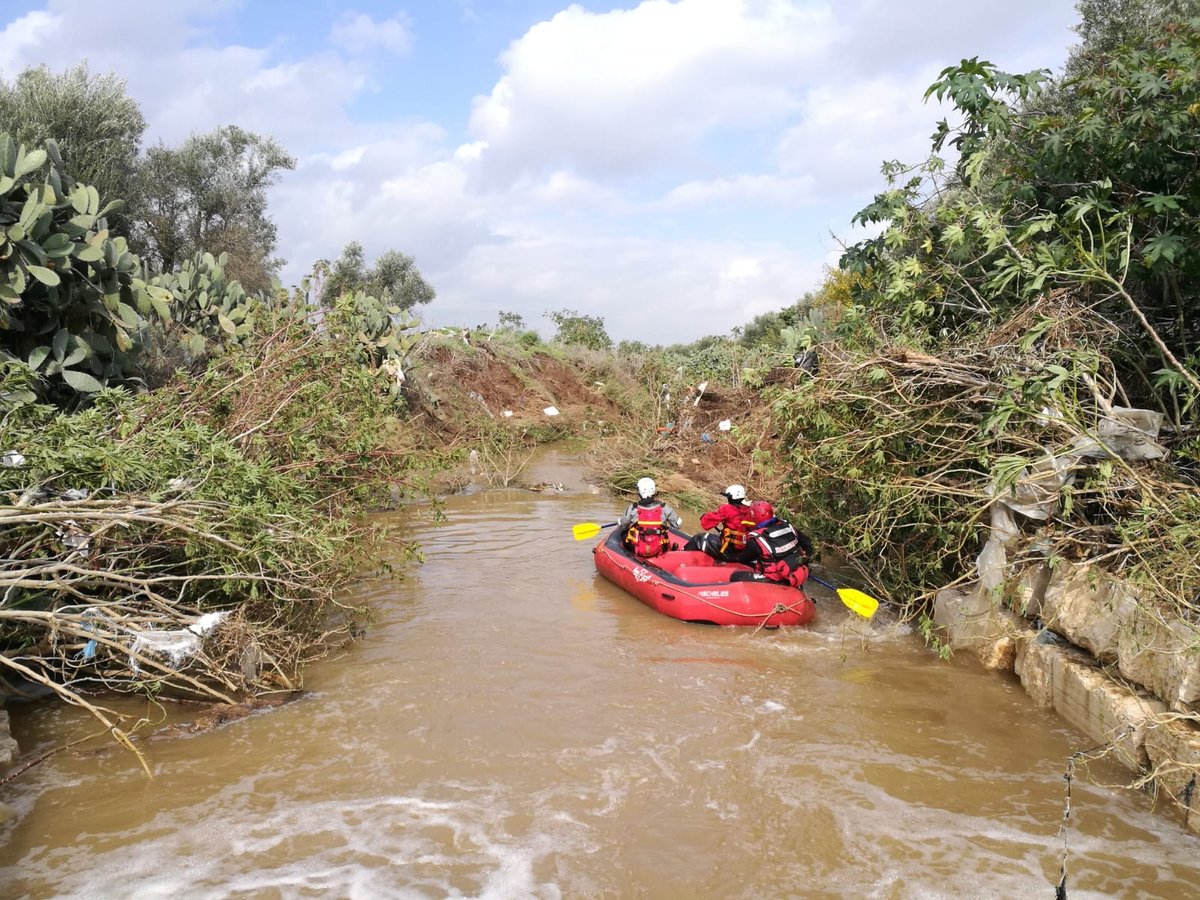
(21, 36)
(768, 190)
(847, 130)
(620, 92)
(593, 172)
(185, 84)
(565, 190)
(658, 291)
(356, 32)
(882, 36)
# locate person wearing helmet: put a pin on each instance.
(777, 551)
(733, 520)
(645, 522)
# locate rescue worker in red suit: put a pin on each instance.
(733, 519)
(646, 521)
(776, 550)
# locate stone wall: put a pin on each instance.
(1102, 656)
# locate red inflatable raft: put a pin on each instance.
(692, 586)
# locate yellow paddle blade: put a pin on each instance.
(585, 530)
(863, 604)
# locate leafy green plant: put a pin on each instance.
(1096, 195)
(576, 329)
(72, 299)
(929, 632)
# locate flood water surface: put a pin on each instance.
(515, 726)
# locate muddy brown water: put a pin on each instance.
(515, 726)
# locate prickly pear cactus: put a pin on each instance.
(211, 310)
(72, 300)
(377, 327)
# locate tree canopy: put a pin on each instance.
(210, 194)
(580, 330)
(97, 126)
(394, 279)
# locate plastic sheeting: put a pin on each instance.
(176, 644)
(1130, 434)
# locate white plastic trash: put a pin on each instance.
(725, 424)
(177, 644)
(551, 410)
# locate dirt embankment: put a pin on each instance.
(462, 389)
(695, 438)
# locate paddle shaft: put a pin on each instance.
(820, 581)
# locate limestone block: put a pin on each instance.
(973, 622)
(1174, 751)
(1162, 655)
(1107, 712)
(1034, 665)
(1085, 606)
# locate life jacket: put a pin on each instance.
(783, 556)
(733, 537)
(648, 535)
(777, 538)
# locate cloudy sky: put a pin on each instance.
(675, 167)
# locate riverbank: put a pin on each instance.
(484, 407)
(514, 725)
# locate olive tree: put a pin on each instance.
(210, 194)
(580, 330)
(94, 123)
(394, 279)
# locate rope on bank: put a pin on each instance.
(1097, 752)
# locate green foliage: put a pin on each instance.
(711, 358)
(210, 194)
(394, 279)
(511, 321)
(97, 127)
(1105, 26)
(1098, 197)
(529, 339)
(868, 461)
(201, 313)
(72, 299)
(766, 329)
(243, 489)
(575, 329)
(933, 637)
(377, 329)
(398, 282)
(632, 348)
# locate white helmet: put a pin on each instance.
(646, 488)
(735, 492)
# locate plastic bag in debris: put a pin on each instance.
(176, 644)
(1127, 433)
(1035, 493)
(72, 536)
(1124, 432)
(991, 563)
